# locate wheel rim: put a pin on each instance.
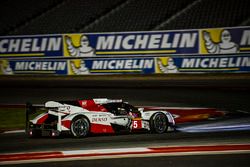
(80, 127)
(160, 123)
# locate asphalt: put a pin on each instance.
(18, 142)
(229, 160)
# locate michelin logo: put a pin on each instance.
(122, 64)
(169, 68)
(35, 44)
(224, 46)
(226, 62)
(147, 41)
(40, 66)
(84, 50)
(6, 70)
(80, 70)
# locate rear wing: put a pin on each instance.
(32, 110)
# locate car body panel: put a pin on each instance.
(104, 116)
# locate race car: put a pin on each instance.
(80, 118)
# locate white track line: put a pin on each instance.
(14, 131)
(123, 153)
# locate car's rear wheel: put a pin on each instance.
(80, 126)
(158, 123)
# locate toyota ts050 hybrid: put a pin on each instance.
(83, 117)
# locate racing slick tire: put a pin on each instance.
(158, 123)
(80, 127)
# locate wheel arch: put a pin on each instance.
(148, 115)
(72, 116)
(76, 118)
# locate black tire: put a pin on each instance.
(158, 123)
(80, 127)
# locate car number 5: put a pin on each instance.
(136, 124)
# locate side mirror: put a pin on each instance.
(52, 104)
(141, 109)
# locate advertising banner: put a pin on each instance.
(112, 66)
(55, 67)
(175, 42)
(79, 66)
(175, 51)
(225, 40)
(31, 46)
(132, 43)
(139, 65)
(202, 64)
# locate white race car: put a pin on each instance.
(82, 117)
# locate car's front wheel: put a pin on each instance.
(158, 123)
(80, 127)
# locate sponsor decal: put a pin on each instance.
(111, 65)
(166, 65)
(77, 67)
(225, 40)
(185, 42)
(148, 65)
(89, 44)
(78, 45)
(102, 119)
(187, 64)
(131, 43)
(123, 64)
(224, 63)
(5, 68)
(146, 42)
(36, 66)
(50, 45)
(84, 103)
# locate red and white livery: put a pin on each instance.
(83, 117)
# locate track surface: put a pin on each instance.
(20, 143)
(232, 160)
(11, 143)
(230, 98)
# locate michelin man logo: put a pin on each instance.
(84, 50)
(81, 70)
(224, 46)
(6, 70)
(169, 68)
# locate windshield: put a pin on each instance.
(120, 108)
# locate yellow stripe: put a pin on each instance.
(23, 54)
(136, 52)
(137, 119)
(115, 70)
(42, 72)
(207, 69)
(244, 49)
